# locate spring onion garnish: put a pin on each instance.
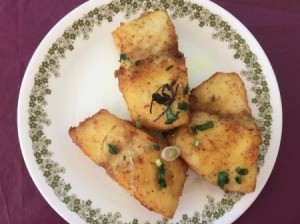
(186, 89)
(238, 179)
(241, 172)
(138, 123)
(196, 142)
(158, 163)
(170, 153)
(123, 57)
(202, 127)
(169, 67)
(112, 149)
(161, 174)
(171, 117)
(183, 105)
(156, 147)
(222, 179)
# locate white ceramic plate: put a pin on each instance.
(71, 76)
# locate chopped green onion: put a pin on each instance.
(183, 105)
(169, 67)
(196, 142)
(194, 130)
(174, 154)
(205, 126)
(138, 123)
(158, 163)
(156, 147)
(242, 171)
(170, 153)
(222, 179)
(238, 179)
(170, 116)
(112, 149)
(123, 57)
(161, 174)
(202, 127)
(186, 89)
(137, 62)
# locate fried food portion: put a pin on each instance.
(139, 83)
(150, 64)
(223, 93)
(230, 145)
(153, 33)
(132, 163)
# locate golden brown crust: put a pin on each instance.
(222, 93)
(153, 33)
(151, 41)
(133, 167)
(233, 142)
(138, 83)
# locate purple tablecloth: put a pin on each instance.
(275, 24)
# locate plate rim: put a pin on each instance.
(61, 25)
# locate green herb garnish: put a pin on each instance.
(123, 57)
(202, 127)
(222, 179)
(165, 95)
(183, 105)
(186, 89)
(137, 62)
(174, 154)
(169, 67)
(156, 147)
(196, 142)
(138, 123)
(242, 171)
(158, 163)
(171, 117)
(112, 149)
(161, 174)
(194, 130)
(238, 179)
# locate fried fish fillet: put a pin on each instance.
(151, 60)
(230, 145)
(153, 33)
(223, 93)
(133, 164)
(139, 83)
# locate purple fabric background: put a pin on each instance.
(24, 23)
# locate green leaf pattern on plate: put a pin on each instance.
(38, 118)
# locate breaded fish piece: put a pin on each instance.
(139, 83)
(153, 33)
(150, 60)
(132, 164)
(230, 146)
(223, 93)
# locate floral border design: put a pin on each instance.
(38, 119)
